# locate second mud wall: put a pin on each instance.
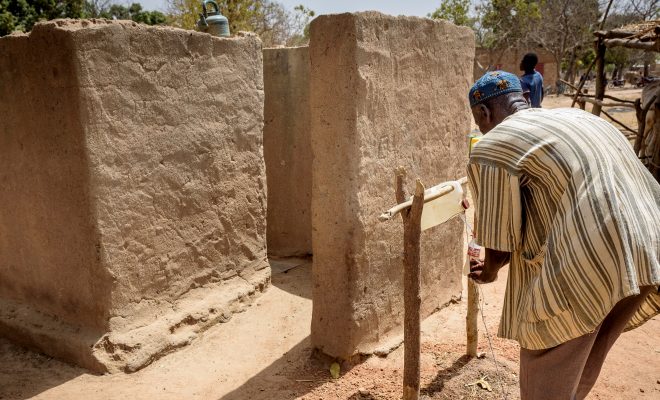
(385, 91)
(288, 151)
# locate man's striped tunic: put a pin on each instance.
(563, 191)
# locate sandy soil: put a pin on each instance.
(265, 354)
(622, 114)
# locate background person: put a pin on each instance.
(532, 80)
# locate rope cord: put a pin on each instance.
(505, 392)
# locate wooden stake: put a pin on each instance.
(471, 321)
(600, 76)
(412, 298)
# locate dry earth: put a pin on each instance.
(264, 353)
(625, 115)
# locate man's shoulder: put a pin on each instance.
(527, 77)
(543, 113)
(538, 77)
(537, 123)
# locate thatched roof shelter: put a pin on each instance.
(643, 35)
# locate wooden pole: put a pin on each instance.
(641, 122)
(412, 299)
(570, 85)
(607, 12)
(654, 162)
(392, 212)
(618, 122)
(600, 75)
(605, 104)
(471, 321)
(582, 104)
(633, 44)
(605, 96)
(582, 82)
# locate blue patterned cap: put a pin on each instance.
(493, 84)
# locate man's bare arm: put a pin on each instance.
(486, 271)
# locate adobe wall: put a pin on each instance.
(133, 204)
(509, 60)
(288, 151)
(49, 259)
(386, 91)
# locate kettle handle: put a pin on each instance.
(217, 9)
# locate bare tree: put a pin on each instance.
(278, 26)
(565, 27)
(644, 9)
(94, 8)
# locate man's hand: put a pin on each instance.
(485, 271)
(480, 274)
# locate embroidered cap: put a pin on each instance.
(493, 84)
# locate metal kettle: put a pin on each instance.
(213, 22)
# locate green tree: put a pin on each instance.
(454, 11)
(566, 28)
(300, 20)
(133, 12)
(507, 23)
(21, 15)
(243, 15)
(269, 19)
(184, 13)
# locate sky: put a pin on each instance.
(393, 7)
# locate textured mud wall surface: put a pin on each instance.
(161, 167)
(49, 255)
(287, 151)
(385, 91)
(174, 122)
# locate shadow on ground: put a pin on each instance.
(18, 380)
(286, 378)
(444, 375)
(293, 275)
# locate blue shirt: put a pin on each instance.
(534, 84)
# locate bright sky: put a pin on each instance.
(393, 7)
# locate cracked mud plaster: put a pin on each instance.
(134, 187)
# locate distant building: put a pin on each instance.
(509, 60)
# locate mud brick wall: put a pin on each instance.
(385, 91)
(509, 60)
(288, 151)
(133, 196)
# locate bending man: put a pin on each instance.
(561, 196)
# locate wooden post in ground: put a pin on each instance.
(641, 122)
(412, 298)
(600, 75)
(471, 320)
(583, 80)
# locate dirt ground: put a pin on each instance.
(264, 353)
(622, 114)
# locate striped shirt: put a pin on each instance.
(563, 191)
